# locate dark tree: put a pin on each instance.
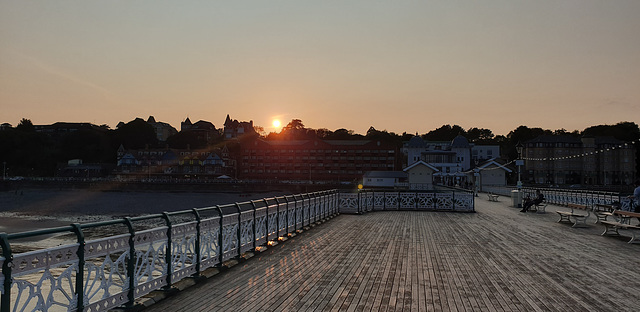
(444, 133)
(25, 125)
(135, 134)
(90, 145)
(479, 135)
(186, 139)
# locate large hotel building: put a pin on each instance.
(314, 159)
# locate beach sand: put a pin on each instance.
(30, 209)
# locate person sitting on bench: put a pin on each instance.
(530, 202)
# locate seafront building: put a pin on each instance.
(571, 160)
(452, 160)
(168, 163)
(314, 159)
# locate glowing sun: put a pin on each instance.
(276, 123)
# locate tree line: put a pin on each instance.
(28, 152)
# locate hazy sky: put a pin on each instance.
(396, 65)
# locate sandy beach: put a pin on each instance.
(30, 209)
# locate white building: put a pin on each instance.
(492, 173)
(383, 179)
(420, 175)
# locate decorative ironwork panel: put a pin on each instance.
(391, 200)
(463, 202)
(349, 202)
(260, 234)
(282, 220)
(426, 201)
(407, 200)
(378, 201)
(106, 280)
(151, 267)
(306, 211)
(230, 242)
(45, 279)
(183, 250)
(299, 213)
(369, 201)
(444, 201)
(209, 242)
(272, 225)
(246, 231)
(291, 216)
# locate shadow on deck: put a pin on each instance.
(494, 260)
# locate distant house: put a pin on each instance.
(383, 179)
(234, 129)
(163, 130)
(204, 130)
(420, 175)
(491, 173)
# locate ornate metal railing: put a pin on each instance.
(107, 272)
(580, 197)
(365, 201)
(568, 196)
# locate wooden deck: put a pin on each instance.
(497, 259)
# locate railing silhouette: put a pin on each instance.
(113, 271)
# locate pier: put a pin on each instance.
(395, 251)
(496, 259)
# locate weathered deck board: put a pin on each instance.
(494, 260)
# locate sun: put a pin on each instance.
(276, 123)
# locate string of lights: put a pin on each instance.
(604, 150)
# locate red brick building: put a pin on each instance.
(314, 159)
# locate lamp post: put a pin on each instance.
(519, 163)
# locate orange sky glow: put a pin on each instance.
(398, 66)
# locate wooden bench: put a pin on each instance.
(578, 218)
(603, 211)
(623, 222)
(539, 208)
(493, 197)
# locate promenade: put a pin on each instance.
(496, 259)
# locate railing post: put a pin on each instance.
(453, 200)
(239, 231)
(277, 217)
(81, 262)
(255, 237)
(5, 306)
(220, 237)
(266, 206)
(286, 204)
(384, 201)
(131, 264)
(197, 243)
(169, 251)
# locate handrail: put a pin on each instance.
(119, 268)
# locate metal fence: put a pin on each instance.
(107, 272)
(568, 196)
(365, 201)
